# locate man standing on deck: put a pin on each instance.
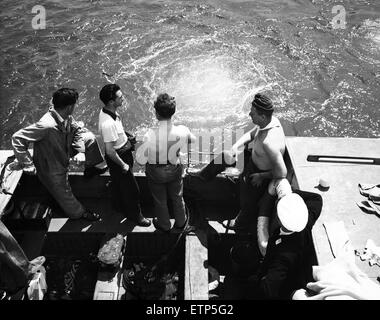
(161, 154)
(119, 157)
(57, 138)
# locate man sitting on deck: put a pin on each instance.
(265, 163)
(57, 138)
(119, 157)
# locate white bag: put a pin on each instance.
(37, 286)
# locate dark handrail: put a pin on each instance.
(343, 159)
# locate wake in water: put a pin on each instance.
(213, 56)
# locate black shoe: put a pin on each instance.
(235, 225)
(184, 225)
(158, 227)
(142, 222)
(185, 228)
(93, 171)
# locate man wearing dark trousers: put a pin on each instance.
(264, 163)
(57, 137)
(119, 157)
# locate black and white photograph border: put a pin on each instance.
(204, 152)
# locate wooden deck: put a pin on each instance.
(339, 202)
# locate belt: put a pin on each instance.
(125, 147)
(163, 164)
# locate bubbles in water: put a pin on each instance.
(206, 89)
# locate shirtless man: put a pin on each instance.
(161, 155)
(265, 163)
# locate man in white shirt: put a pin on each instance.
(161, 154)
(118, 154)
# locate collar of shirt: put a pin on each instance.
(284, 233)
(273, 124)
(111, 114)
(59, 117)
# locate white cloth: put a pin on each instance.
(37, 286)
(340, 279)
(112, 130)
(273, 124)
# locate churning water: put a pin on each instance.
(213, 56)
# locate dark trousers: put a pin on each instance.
(166, 184)
(57, 183)
(85, 141)
(125, 190)
(250, 195)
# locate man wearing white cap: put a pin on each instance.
(289, 245)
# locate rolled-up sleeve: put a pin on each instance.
(22, 138)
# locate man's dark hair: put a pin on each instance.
(165, 106)
(108, 93)
(64, 97)
(263, 104)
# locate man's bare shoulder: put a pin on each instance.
(273, 141)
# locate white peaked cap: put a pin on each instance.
(281, 187)
(292, 212)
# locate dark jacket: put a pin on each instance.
(283, 268)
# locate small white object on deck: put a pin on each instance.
(324, 183)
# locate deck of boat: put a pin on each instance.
(339, 205)
(339, 202)
(94, 194)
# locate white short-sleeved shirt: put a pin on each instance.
(111, 128)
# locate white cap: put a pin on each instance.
(292, 212)
(281, 187)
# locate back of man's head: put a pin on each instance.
(165, 106)
(108, 93)
(292, 212)
(64, 97)
(263, 104)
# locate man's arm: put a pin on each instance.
(21, 140)
(276, 159)
(262, 234)
(244, 139)
(111, 152)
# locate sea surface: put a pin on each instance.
(213, 56)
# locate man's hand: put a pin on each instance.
(125, 168)
(79, 157)
(256, 179)
(234, 151)
(30, 170)
(263, 247)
